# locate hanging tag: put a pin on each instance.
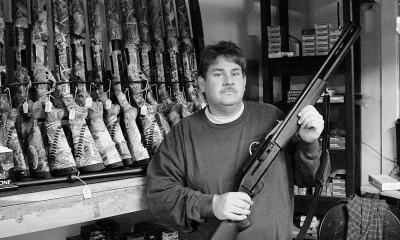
(48, 106)
(87, 192)
(88, 102)
(71, 115)
(143, 110)
(108, 104)
(25, 107)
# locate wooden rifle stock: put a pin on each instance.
(281, 134)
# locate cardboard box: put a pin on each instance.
(337, 142)
(7, 167)
(384, 182)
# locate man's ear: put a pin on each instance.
(201, 81)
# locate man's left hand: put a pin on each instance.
(311, 124)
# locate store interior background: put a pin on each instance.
(239, 21)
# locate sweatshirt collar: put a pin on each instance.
(222, 120)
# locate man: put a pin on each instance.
(193, 178)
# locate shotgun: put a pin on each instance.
(97, 126)
(188, 55)
(141, 12)
(145, 48)
(132, 132)
(172, 44)
(153, 134)
(111, 114)
(279, 137)
(158, 59)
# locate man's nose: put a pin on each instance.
(228, 80)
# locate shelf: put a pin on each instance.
(37, 211)
(299, 66)
(369, 188)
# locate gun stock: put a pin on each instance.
(281, 134)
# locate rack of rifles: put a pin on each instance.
(88, 86)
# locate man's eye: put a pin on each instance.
(217, 74)
(236, 74)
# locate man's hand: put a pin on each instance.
(311, 124)
(232, 206)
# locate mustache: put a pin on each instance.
(228, 89)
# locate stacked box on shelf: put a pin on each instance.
(92, 232)
(308, 42)
(322, 31)
(334, 36)
(339, 186)
(337, 142)
(292, 95)
(276, 39)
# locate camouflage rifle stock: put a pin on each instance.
(60, 156)
(86, 154)
(102, 137)
(37, 151)
(10, 137)
(62, 43)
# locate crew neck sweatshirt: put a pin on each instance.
(199, 159)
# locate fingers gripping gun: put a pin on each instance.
(281, 134)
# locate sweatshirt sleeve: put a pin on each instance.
(167, 194)
(306, 162)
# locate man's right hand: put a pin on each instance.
(233, 206)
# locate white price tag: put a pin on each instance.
(143, 110)
(88, 102)
(25, 107)
(108, 104)
(48, 106)
(71, 115)
(87, 192)
(203, 105)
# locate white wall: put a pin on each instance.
(380, 87)
(235, 20)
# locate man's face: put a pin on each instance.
(224, 84)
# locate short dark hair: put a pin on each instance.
(228, 49)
